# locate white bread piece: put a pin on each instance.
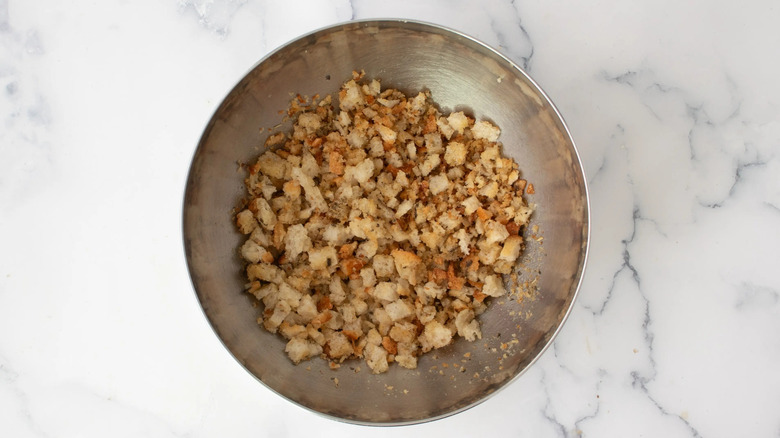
(404, 208)
(488, 252)
(299, 349)
(419, 102)
(367, 249)
(374, 354)
(471, 204)
(382, 320)
(403, 332)
(399, 309)
(290, 331)
(430, 163)
(281, 310)
(261, 237)
(495, 232)
(307, 308)
(376, 358)
(464, 241)
(438, 183)
(254, 253)
(435, 335)
(273, 165)
(246, 222)
(406, 360)
(337, 291)
(433, 291)
(409, 266)
(266, 272)
(364, 171)
(350, 96)
(493, 286)
(296, 241)
(485, 130)
(455, 154)
(386, 291)
(384, 267)
(432, 239)
(490, 190)
(335, 234)
(312, 192)
(339, 346)
(368, 276)
(290, 295)
(269, 289)
(388, 134)
(445, 128)
(511, 250)
(265, 215)
(322, 258)
(311, 122)
(467, 326)
(458, 121)
(309, 165)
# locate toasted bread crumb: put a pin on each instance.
(378, 228)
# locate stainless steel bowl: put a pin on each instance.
(462, 74)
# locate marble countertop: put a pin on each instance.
(675, 107)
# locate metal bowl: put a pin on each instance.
(462, 74)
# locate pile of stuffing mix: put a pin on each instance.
(378, 230)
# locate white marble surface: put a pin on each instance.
(675, 107)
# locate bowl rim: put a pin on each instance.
(441, 29)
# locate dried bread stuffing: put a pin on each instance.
(379, 229)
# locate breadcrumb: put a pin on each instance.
(377, 228)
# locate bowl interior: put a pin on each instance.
(462, 74)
